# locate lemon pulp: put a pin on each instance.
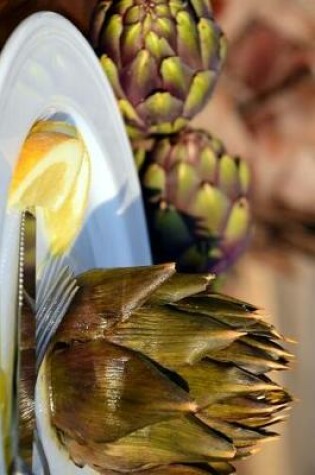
(53, 172)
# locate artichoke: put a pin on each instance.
(150, 373)
(197, 201)
(161, 57)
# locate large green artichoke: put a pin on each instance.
(150, 373)
(196, 198)
(161, 57)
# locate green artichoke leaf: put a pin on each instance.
(184, 440)
(246, 409)
(139, 156)
(134, 14)
(198, 469)
(199, 92)
(245, 177)
(118, 292)
(125, 5)
(208, 164)
(130, 113)
(222, 304)
(175, 6)
(180, 286)
(120, 392)
(221, 468)
(131, 42)
(231, 313)
(268, 346)
(262, 422)
(249, 358)
(208, 42)
(238, 222)
(155, 179)
(158, 47)
(168, 128)
(211, 198)
(178, 470)
(165, 28)
(111, 72)
(163, 9)
(185, 181)
(181, 156)
(211, 382)
(138, 77)
(187, 40)
(160, 107)
(97, 22)
(163, 149)
(176, 77)
(241, 435)
(112, 38)
(203, 8)
(170, 337)
(228, 176)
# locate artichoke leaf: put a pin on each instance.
(180, 286)
(241, 435)
(170, 337)
(232, 314)
(137, 78)
(211, 382)
(176, 77)
(112, 37)
(222, 468)
(249, 358)
(131, 42)
(160, 107)
(208, 42)
(200, 90)
(187, 40)
(184, 440)
(120, 392)
(118, 292)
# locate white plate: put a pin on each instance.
(48, 69)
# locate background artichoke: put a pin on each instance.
(162, 58)
(150, 373)
(196, 198)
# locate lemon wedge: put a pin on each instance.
(47, 168)
(64, 223)
(53, 173)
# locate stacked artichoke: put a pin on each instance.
(197, 202)
(162, 58)
(150, 373)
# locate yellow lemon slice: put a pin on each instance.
(64, 223)
(47, 168)
(53, 172)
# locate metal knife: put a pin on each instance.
(22, 423)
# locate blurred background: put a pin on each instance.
(264, 110)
